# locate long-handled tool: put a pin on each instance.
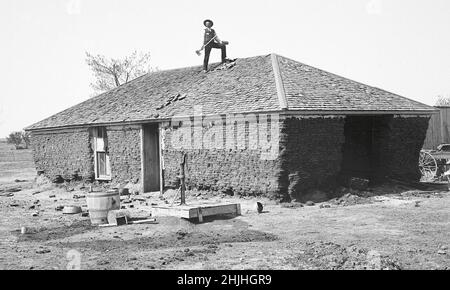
(199, 52)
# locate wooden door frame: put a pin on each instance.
(161, 161)
(143, 168)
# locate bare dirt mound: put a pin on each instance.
(351, 199)
(329, 255)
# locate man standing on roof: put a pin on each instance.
(210, 41)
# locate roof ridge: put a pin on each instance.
(279, 82)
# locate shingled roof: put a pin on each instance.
(266, 83)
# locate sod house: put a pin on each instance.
(264, 125)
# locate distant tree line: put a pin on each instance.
(20, 139)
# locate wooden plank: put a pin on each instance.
(214, 210)
(238, 209)
(445, 125)
(161, 177)
(441, 125)
(426, 142)
(437, 131)
(434, 133)
(151, 161)
(120, 127)
(199, 214)
(142, 158)
(192, 211)
(170, 211)
(62, 131)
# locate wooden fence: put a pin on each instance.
(438, 129)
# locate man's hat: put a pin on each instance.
(208, 20)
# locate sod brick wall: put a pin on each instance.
(400, 144)
(311, 153)
(241, 167)
(63, 153)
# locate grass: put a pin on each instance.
(8, 153)
(15, 164)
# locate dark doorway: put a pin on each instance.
(363, 147)
(150, 158)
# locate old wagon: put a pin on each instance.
(434, 164)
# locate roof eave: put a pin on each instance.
(363, 112)
(281, 112)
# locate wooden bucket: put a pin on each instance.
(100, 203)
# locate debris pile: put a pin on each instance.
(358, 183)
(226, 65)
(42, 182)
(418, 193)
(9, 191)
(172, 99)
(350, 199)
(292, 204)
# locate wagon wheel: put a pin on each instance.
(427, 166)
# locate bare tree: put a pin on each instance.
(111, 72)
(443, 101)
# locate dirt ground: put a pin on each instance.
(390, 228)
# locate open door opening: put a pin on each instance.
(362, 150)
(150, 158)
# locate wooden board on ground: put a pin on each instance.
(196, 210)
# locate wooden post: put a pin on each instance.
(441, 120)
(182, 180)
(200, 215)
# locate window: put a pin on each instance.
(101, 160)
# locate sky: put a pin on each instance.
(402, 46)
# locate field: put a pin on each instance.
(389, 227)
(15, 164)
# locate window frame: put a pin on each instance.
(101, 146)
